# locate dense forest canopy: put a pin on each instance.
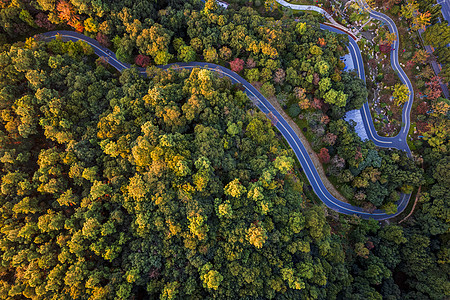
(110, 184)
(175, 186)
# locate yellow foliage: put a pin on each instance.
(198, 226)
(173, 227)
(256, 235)
(421, 20)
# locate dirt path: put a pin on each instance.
(414, 206)
(330, 187)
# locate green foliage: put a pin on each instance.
(294, 110)
(114, 179)
(108, 181)
(186, 54)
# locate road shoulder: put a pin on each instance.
(330, 187)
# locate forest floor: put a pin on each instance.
(330, 187)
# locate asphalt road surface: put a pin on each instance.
(264, 105)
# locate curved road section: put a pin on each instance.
(264, 105)
(400, 140)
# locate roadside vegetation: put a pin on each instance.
(175, 186)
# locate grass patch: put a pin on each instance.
(303, 123)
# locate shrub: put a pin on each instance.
(294, 110)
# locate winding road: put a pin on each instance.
(266, 107)
(400, 140)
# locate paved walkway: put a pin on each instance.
(316, 9)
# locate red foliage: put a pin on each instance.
(409, 64)
(66, 11)
(325, 119)
(79, 27)
(20, 28)
(422, 126)
(317, 103)
(237, 65)
(324, 156)
(422, 108)
(279, 76)
(369, 207)
(373, 63)
(329, 138)
(142, 60)
(101, 62)
(103, 39)
(385, 48)
(388, 4)
(316, 79)
(154, 273)
(389, 79)
(358, 154)
(434, 88)
(43, 22)
(322, 42)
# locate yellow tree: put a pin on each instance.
(211, 278)
(421, 20)
(400, 94)
(210, 6)
(438, 135)
(409, 10)
(420, 56)
(256, 235)
(270, 5)
(390, 38)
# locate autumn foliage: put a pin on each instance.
(142, 60)
(324, 156)
(66, 12)
(237, 65)
(433, 90)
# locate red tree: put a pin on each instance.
(434, 88)
(142, 60)
(316, 79)
(324, 156)
(422, 127)
(422, 108)
(317, 103)
(66, 11)
(329, 138)
(279, 76)
(389, 79)
(42, 21)
(103, 39)
(237, 65)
